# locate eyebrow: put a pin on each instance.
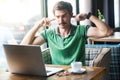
(62, 15)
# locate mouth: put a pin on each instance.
(62, 24)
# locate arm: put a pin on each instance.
(30, 38)
(101, 29)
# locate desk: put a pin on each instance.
(113, 38)
(92, 73)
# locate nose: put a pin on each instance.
(60, 20)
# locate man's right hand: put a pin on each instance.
(44, 22)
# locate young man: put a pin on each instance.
(66, 41)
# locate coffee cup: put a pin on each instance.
(76, 66)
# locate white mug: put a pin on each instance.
(76, 66)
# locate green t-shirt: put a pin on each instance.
(69, 49)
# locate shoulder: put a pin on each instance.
(48, 32)
(81, 30)
(82, 27)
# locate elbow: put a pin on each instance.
(108, 32)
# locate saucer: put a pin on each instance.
(81, 71)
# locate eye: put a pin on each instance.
(57, 16)
(65, 15)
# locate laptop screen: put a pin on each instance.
(27, 59)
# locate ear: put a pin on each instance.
(71, 14)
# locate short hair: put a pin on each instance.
(63, 5)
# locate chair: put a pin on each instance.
(97, 57)
(115, 58)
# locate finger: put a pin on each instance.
(45, 21)
(48, 21)
(52, 19)
(74, 16)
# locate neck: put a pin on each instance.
(65, 31)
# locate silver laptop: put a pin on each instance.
(27, 59)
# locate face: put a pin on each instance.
(63, 18)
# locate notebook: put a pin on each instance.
(27, 60)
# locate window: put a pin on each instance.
(85, 7)
(16, 18)
(117, 13)
(19, 15)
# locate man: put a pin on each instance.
(67, 41)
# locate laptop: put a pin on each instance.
(27, 60)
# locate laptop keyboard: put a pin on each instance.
(48, 71)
